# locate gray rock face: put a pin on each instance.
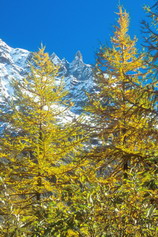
(78, 76)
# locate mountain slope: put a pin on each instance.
(78, 76)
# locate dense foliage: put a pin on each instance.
(38, 151)
(54, 180)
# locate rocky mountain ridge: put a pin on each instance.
(78, 76)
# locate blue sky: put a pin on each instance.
(65, 26)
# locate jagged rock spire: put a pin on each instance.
(78, 56)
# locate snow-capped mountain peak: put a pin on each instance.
(78, 75)
(13, 64)
(55, 59)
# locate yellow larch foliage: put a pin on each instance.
(123, 106)
(39, 149)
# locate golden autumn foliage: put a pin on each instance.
(40, 151)
(124, 120)
(55, 180)
(123, 106)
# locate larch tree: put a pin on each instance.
(150, 30)
(123, 119)
(150, 33)
(39, 147)
(122, 105)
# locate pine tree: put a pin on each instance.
(39, 147)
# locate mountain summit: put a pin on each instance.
(78, 76)
(78, 56)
